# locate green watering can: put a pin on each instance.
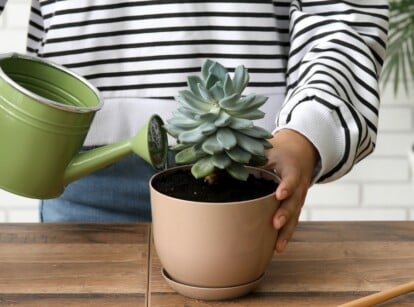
(45, 114)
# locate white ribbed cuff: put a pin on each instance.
(322, 128)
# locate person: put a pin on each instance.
(318, 62)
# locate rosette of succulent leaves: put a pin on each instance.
(213, 124)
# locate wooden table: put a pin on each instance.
(326, 264)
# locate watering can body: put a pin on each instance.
(45, 114)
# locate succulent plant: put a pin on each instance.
(213, 124)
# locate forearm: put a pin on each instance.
(336, 55)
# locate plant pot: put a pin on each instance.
(208, 245)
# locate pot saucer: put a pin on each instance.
(209, 293)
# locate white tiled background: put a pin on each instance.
(379, 188)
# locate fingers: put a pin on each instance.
(285, 187)
(286, 225)
(294, 159)
(292, 195)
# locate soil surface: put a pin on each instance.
(183, 185)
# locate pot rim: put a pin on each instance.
(236, 203)
(41, 99)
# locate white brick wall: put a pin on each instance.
(13, 27)
(379, 188)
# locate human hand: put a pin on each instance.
(294, 159)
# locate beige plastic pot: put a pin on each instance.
(214, 245)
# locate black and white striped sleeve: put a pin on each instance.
(36, 29)
(337, 50)
(2, 5)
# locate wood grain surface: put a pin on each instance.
(73, 264)
(326, 264)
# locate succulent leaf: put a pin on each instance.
(193, 82)
(183, 122)
(223, 120)
(212, 115)
(240, 79)
(246, 104)
(205, 93)
(238, 171)
(228, 86)
(198, 134)
(189, 155)
(221, 161)
(173, 130)
(249, 144)
(266, 144)
(252, 114)
(258, 101)
(258, 160)
(191, 101)
(211, 81)
(256, 132)
(205, 69)
(226, 138)
(180, 146)
(211, 145)
(217, 91)
(203, 167)
(240, 123)
(239, 155)
(219, 71)
(207, 117)
(229, 102)
(186, 112)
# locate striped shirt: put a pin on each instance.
(322, 57)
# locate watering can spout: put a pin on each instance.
(150, 143)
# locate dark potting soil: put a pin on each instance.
(183, 185)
